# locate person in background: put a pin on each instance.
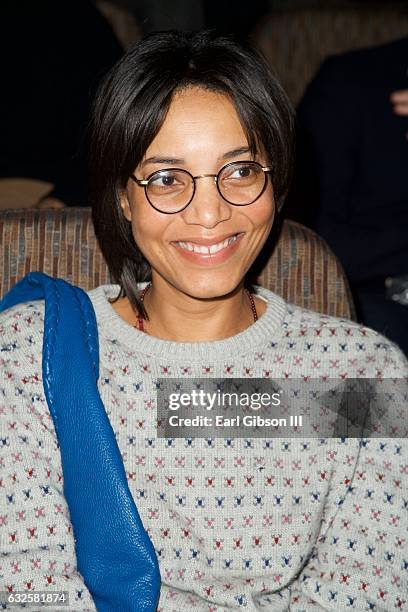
(400, 102)
(351, 178)
(53, 55)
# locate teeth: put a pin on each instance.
(186, 245)
(207, 250)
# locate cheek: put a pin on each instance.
(142, 232)
(148, 231)
(264, 212)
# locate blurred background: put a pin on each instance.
(55, 53)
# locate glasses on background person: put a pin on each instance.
(171, 190)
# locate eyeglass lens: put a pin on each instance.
(238, 183)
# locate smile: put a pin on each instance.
(207, 249)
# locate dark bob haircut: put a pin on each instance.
(131, 105)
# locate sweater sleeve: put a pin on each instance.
(361, 557)
(36, 539)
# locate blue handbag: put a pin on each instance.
(114, 553)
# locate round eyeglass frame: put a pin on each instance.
(145, 183)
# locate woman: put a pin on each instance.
(191, 158)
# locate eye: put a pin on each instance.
(164, 179)
(168, 181)
(243, 173)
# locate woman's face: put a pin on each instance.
(201, 133)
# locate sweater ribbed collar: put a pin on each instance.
(256, 336)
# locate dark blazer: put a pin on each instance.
(352, 168)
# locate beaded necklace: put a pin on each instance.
(140, 321)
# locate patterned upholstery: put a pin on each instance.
(295, 42)
(62, 243)
(58, 242)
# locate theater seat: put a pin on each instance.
(62, 243)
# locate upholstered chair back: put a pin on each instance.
(62, 243)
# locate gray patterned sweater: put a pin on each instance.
(237, 523)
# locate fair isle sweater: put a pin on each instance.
(237, 523)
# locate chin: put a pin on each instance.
(208, 288)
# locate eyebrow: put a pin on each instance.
(158, 159)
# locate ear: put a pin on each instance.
(125, 206)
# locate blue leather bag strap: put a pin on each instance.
(115, 555)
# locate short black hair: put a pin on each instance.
(131, 105)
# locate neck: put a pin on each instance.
(176, 316)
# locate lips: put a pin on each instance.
(205, 251)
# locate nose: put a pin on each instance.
(207, 207)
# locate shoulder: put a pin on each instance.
(361, 344)
(23, 323)
(361, 67)
(335, 88)
(29, 316)
(22, 396)
(339, 344)
(373, 56)
(21, 343)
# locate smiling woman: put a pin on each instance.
(177, 227)
(191, 158)
(199, 138)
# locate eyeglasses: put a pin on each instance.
(171, 190)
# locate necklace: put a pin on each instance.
(140, 321)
